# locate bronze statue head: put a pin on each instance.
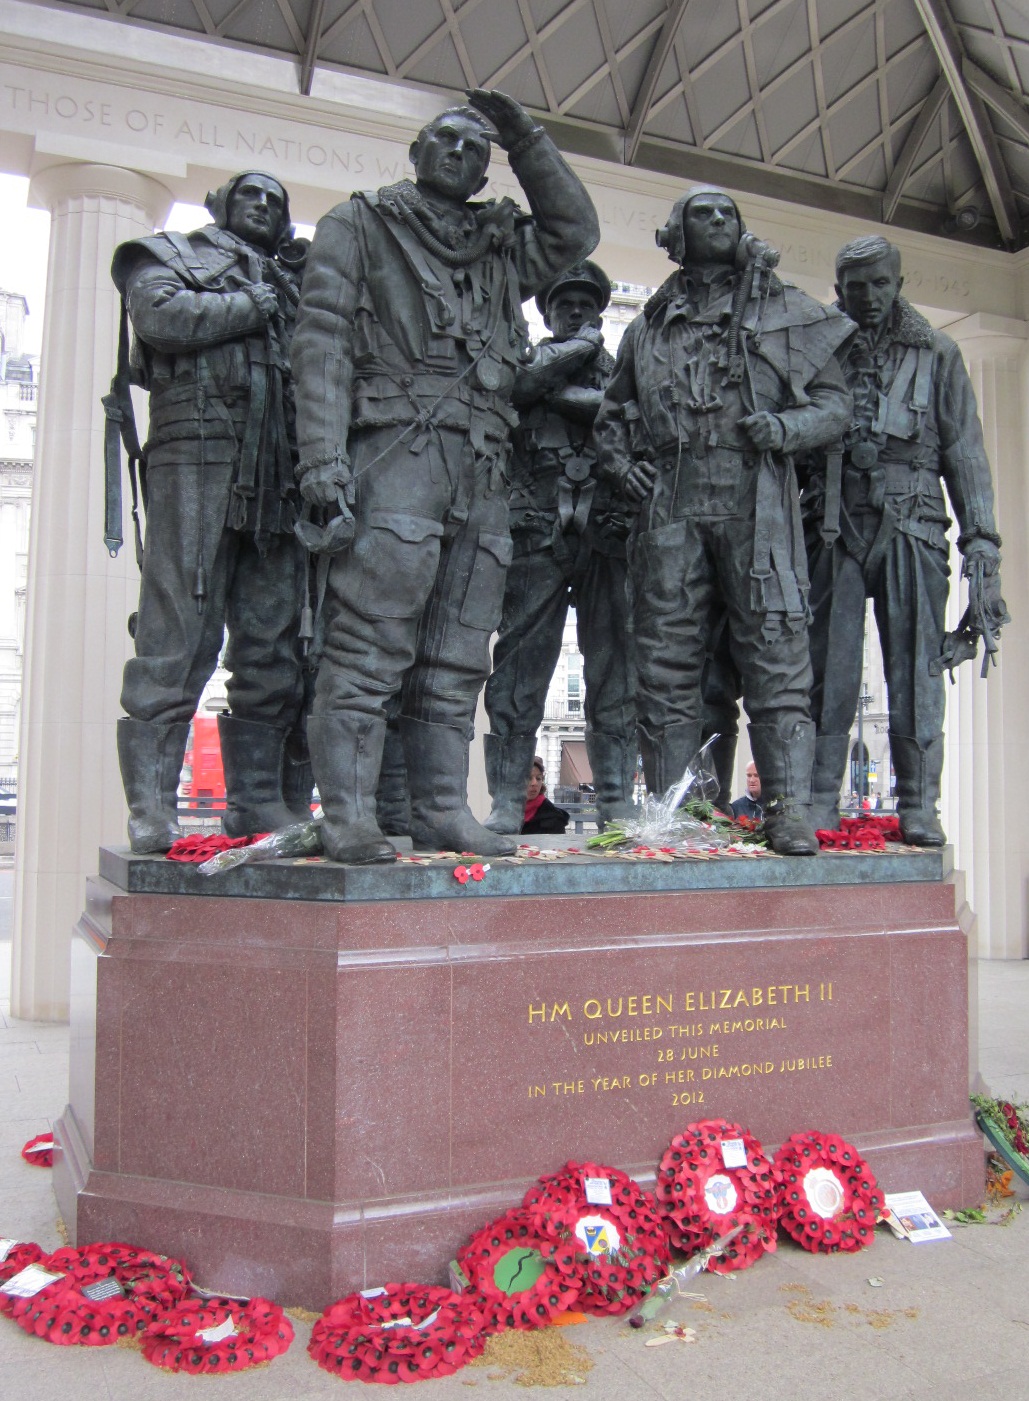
(868, 280)
(254, 206)
(451, 153)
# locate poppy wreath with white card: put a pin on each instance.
(99, 1295)
(209, 1336)
(398, 1333)
(516, 1287)
(15, 1256)
(39, 1151)
(601, 1229)
(831, 1200)
(713, 1177)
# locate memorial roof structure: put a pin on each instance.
(912, 112)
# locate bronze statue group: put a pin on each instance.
(359, 470)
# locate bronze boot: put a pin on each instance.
(346, 753)
(784, 764)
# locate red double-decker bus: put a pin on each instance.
(203, 780)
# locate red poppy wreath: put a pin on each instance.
(399, 1333)
(603, 1232)
(15, 1256)
(515, 1286)
(105, 1294)
(713, 1177)
(831, 1200)
(216, 1335)
(39, 1151)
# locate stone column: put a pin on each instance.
(986, 774)
(70, 795)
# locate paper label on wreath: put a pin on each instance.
(720, 1194)
(45, 1145)
(101, 1289)
(221, 1331)
(28, 1282)
(734, 1152)
(373, 1293)
(397, 1322)
(824, 1192)
(6, 1246)
(597, 1235)
(598, 1190)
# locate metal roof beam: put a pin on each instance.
(943, 36)
(904, 163)
(645, 95)
(996, 97)
(311, 42)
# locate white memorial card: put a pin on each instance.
(27, 1282)
(734, 1152)
(910, 1217)
(219, 1332)
(598, 1190)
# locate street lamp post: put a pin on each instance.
(864, 701)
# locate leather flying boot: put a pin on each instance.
(252, 757)
(437, 774)
(784, 766)
(392, 800)
(150, 755)
(346, 752)
(666, 754)
(613, 761)
(508, 765)
(919, 768)
(297, 776)
(722, 756)
(827, 779)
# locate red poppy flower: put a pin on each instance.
(461, 873)
(201, 846)
(478, 871)
(831, 1198)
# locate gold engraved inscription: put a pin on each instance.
(680, 1057)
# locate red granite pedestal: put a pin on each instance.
(303, 1096)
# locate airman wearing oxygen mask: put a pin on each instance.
(724, 376)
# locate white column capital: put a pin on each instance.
(56, 184)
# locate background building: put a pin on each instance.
(19, 387)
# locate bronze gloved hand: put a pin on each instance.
(510, 118)
(981, 567)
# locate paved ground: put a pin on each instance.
(950, 1322)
